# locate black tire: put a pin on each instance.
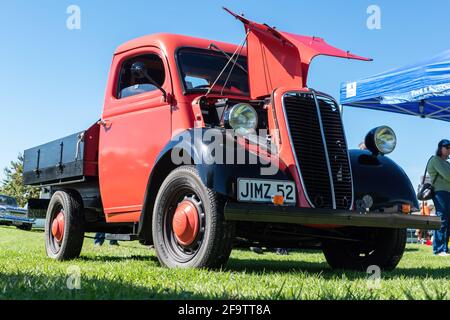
(381, 247)
(72, 241)
(25, 227)
(214, 242)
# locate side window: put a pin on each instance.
(129, 85)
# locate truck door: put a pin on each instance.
(135, 126)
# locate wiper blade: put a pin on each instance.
(216, 48)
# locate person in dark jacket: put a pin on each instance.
(439, 172)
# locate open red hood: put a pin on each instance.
(278, 58)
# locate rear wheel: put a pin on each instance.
(64, 226)
(189, 229)
(381, 247)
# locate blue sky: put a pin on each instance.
(53, 79)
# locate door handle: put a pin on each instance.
(105, 123)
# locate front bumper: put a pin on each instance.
(307, 216)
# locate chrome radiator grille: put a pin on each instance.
(318, 139)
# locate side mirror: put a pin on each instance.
(138, 70)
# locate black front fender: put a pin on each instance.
(381, 178)
(220, 174)
(190, 147)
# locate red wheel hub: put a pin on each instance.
(58, 226)
(185, 223)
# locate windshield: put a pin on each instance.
(199, 69)
(8, 201)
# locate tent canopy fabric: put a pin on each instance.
(421, 89)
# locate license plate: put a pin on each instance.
(251, 190)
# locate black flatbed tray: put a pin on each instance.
(56, 161)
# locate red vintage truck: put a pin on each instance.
(146, 171)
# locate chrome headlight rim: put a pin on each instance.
(381, 140)
(233, 118)
(382, 144)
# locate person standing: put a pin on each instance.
(362, 146)
(422, 235)
(99, 239)
(439, 171)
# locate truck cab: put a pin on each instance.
(203, 145)
(142, 119)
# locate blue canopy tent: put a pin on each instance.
(421, 89)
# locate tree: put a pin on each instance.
(12, 184)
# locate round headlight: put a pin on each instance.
(242, 117)
(381, 140)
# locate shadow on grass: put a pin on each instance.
(117, 259)
(267, 266)
(409, 249)
(23, 286)
(260, 266)
(421, 273)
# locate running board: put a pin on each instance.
(121, 237)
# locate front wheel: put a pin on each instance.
(380, 247)
(64, 226)
(189, 229)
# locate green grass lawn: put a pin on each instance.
(131, 271)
